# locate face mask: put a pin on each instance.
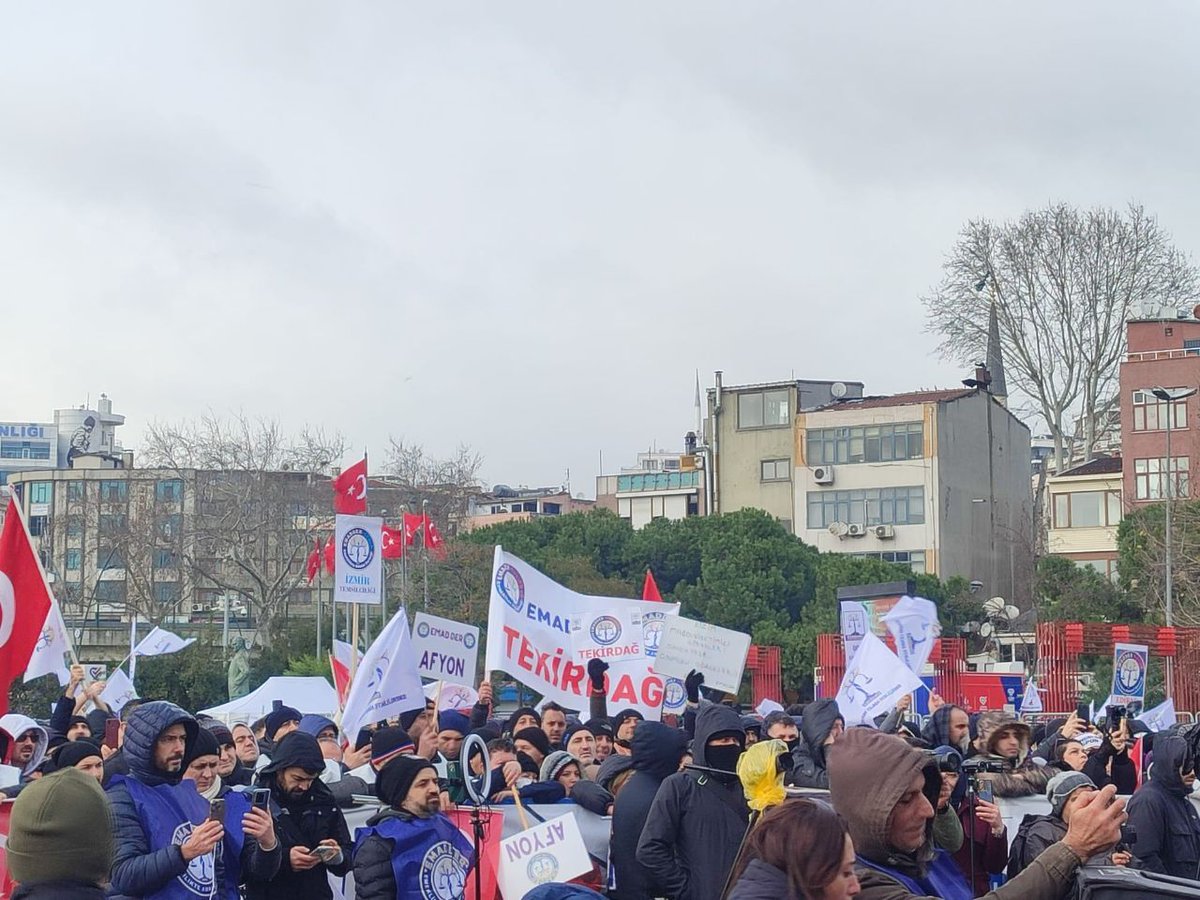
(724, 759)
(792, 744)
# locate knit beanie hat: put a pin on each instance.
(219, 730)
(1062, 786)
(398, 776)
(449, 720)
(389, 741)
(553, 765)
(620, 718)
(70, 754)
(534, 736)
(96, 719)
(61, 831)
(600, 727)
(280, 716)
(204, 745)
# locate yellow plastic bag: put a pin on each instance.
(759, 774)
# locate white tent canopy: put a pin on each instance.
(309, 694)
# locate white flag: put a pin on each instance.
(52, 647)
(118, 691)
(160, 641)
(1032, 701)
(386, 683)
(451, 696)
(875, 680)
(913, 623)
(1160, 717)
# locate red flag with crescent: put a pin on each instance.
(24, 600)
(350, 490)
(393, 542)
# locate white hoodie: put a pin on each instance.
(16, 725)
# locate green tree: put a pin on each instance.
(1141, 549)
(1070, 593)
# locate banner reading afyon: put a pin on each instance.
(529, 637)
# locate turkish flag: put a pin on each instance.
(329, 554)
(650, 588)
(314, 561)
(393, 542)
(341, 661)
(24, 600)
(412, 524)
(433, 540)
(350, 490)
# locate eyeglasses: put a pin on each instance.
(27, 737)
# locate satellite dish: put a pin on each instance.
(838, 389)
(838, 529)
(1196, 312)
(994, 606)
(1011, 613)
(986, 630)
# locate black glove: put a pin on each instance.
(596, 670)
(691, 685)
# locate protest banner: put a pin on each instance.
(550, 852)
(875, 679)
(386, 682)
(451, 696)
(609, 635)
(445, 649)
(913, 623)
(1130, 664)
(717, 652)
(529, 637)
(358, 560)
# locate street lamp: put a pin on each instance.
(1170, 398)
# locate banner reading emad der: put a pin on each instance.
(529, 637)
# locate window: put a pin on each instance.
(113, 523)
(170, 490)
(74, 560)
(110, 591)
(113, 491)
(167, 592)
(776, 469)
(670, 465)
(40, 492)
(74, 526)
(1191, 345)
(169, 527)
(38, 525)
(165, 559)
(552, 509)
(1150, 478)
(108, 557)
(1150, 413)
(914, 559)
(766, 409)
(652, 465)
(24, 449)
(1106, 567)
(874, 506)
(1087, 509)
(868, 443)
(74, 491)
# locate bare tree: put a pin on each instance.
(1064, 282)
(445, 484)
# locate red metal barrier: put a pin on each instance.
(766, 673)
(949, 658)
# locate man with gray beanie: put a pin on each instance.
(60, 840)
(1037, 834)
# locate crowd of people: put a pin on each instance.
(158, 802)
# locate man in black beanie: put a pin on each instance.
(410, 840)
(60, 840)
(82, 755)
(533, 743)
(311, 828)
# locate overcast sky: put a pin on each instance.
(525, 226)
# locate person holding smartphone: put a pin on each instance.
(984, 851)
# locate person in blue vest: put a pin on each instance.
(410, 850)
(167, 847)
(887, 790)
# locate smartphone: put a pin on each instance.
(1112, 718)
(1083, 713)
(216, 810)
(985, 792)
(260, 798)
(325, 853)
(112, 732)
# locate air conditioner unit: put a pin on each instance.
(885, 532)
(197, 607)
(856, 529)
(838, 529)
(823, 474)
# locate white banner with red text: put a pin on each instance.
(529, 637)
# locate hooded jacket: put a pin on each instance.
(1026, 778)
(808, 759)
(1166, 822)
(656, 752)
(137, 871)
(937, 729)
(302, 822)
(16, 725)
(697, 821)
(868, 774)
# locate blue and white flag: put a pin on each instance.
(160, 641)
(386, 682)
(913, 623)
(875, 680)
(1031, 702)
(1160, 717)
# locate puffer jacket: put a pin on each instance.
(697, 820)
(761, 881)
(374, 878)
(808, 759)
(866, 792)
(656, 752)
(1166, 822)
(136, 871)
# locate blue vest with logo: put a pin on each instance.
(168, 814)
(942, 878)
(430, 857)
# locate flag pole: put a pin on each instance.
(425, 547)
(353, 640)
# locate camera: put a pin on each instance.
(978, 764)
(1113, 716)
(1128, 836)
(947, 761)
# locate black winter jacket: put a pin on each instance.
(657, 750)
(697, 821)
(58, 890)
(1166, 822)
(761, 881)
(135, 870)
(808, 759)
